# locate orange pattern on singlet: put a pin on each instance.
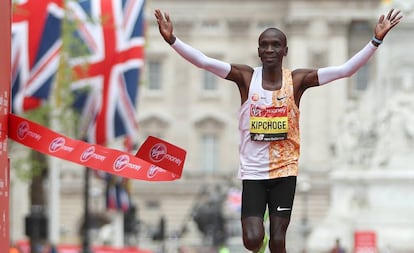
(284, 154)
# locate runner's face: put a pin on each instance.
(272, 47)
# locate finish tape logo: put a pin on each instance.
(159, 152)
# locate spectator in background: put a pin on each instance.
(338, 247)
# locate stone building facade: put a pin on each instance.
(198, 111)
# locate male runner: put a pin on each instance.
(269, 122)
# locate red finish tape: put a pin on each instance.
(156, 160)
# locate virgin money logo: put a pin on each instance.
(121, 163)
(90, 153)
(23, 131)
(87, 154)
(56, 144)
(153, 170)
(256, 111)
(157, 152)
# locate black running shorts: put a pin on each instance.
(278, 194)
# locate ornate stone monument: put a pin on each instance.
(373, 174)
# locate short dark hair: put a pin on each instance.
(275, 30)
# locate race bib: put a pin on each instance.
(268, 123)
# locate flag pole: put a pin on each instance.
(86, 245)
(54, 200)
(54, 170)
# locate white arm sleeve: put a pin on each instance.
(329, 74)
(220, 68)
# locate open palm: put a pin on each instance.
(165, 26)
(385, 24)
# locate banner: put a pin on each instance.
(24, 247)
(365, 242)
(157, 160)
(5, 31)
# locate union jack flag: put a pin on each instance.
(36, 44)
(106, 91)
